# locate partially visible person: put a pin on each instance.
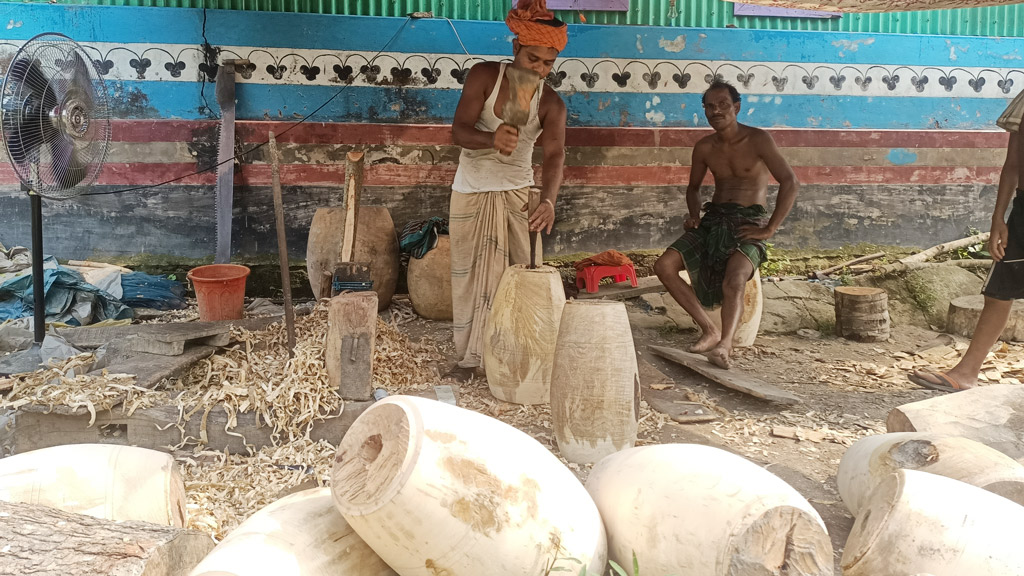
(1005, 281)
(723, 247)
(488, 225)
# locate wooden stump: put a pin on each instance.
(862, 313)
(41, 540)
(992, 415)
(430, 282)
(351, 336)
(965, 311)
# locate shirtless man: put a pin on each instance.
(722, 249)
(1006, 278)
(488, 224)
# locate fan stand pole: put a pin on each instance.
(39, 300)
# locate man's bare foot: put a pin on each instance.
(707, 341)
(719, 356)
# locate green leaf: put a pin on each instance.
(636, 565)
(618, 569)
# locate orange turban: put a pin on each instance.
(523, 21)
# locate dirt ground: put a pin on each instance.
(847, 388)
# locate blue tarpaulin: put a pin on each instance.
(68, 298)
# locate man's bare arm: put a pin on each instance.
(471, 103)
(698, 170)
(552, 139)
(783, 173)
(1009, 179)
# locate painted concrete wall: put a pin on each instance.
(893, 136)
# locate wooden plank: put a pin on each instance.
(732, 379)
(623, 291)
(156, 428)
(661, 394)
(150, 369)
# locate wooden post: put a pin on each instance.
(533, 202)
(353, 189)
(351, 337)
(282, 245)
(39, 539)
(862, 313)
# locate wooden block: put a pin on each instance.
(148, 346)
(798, 434)
(351, 337)
(623, 290)
(992, 415)
(42, 540)
(732, 379)
(964, 312)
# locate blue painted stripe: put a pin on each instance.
(350, 33)
(391, 104)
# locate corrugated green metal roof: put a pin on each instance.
(988, 21)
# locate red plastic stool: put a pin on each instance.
(591, 276)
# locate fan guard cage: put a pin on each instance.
(54, 116)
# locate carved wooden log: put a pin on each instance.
(595, 383)
(915, 522)
(351, 336)
(42, 540)
(964, 313)
(520, 335)
(695, 510)
(430, 281)
(302, 534)
(100, 480)
(750, 319)
(435, 489)
(862, 313)
(992, 415)
(871, 460)
(376, 244)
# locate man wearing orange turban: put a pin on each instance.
(488, 224)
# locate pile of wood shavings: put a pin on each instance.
(63, 384)
(223, 490)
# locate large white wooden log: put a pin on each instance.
(302, 534)
(874, 458)
(100, 480)
(915, 522)
(519, 338)
(992, 415)
(46, 541)
(595, 383)
(965, 311)
(435, 489)
(693, 510)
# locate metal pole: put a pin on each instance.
(39, 301)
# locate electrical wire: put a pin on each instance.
(262, 144)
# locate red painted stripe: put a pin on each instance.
(119, 174)
(440, 135)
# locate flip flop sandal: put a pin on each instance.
(945, 384)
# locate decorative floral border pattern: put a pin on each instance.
(188, 63)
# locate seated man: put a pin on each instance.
(722, 249)
(1006, 278)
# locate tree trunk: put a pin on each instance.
(862, 313)
(36, 540)
(924, 255)
(992, 415)
(965, 311)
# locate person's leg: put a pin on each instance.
(668, 267)
(518, 223)
(991, 323)
(738, 270)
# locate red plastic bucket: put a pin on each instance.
(220, 290)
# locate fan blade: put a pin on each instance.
(37, 85)
(65, 166)
(82, 81)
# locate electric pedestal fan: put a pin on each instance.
(56, 129)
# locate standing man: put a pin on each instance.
(722, 248)
(1006, 278)
(489, 227)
